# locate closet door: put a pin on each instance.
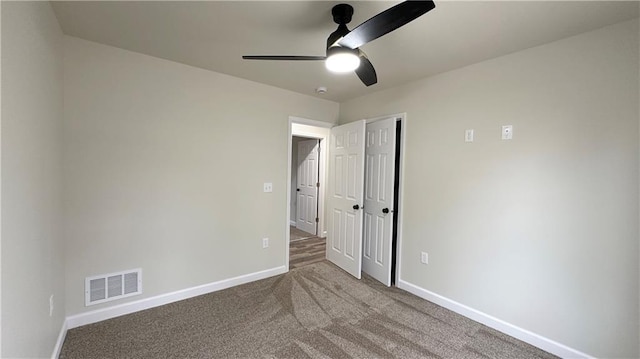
(379, 199)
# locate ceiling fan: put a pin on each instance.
(343, 46)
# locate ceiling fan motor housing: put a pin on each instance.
(334, 50)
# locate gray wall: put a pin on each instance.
(164, 167)
(540, 231)
(32, 243)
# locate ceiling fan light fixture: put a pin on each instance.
(342, 59)
(343, 46)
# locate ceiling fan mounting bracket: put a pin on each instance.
(342, 13)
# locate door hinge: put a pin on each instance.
(317, 219)
(318, 184)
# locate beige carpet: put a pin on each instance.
(316, 311)
(307, 251)
(296, 234)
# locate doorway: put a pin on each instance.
(306, 232)
(305, 186)
(391, 211)
(305, 247)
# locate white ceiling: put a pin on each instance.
(215, 34)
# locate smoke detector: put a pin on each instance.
(321, 90)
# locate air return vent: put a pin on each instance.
(108, 287)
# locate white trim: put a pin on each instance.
(401, 177)
(287, 233)
(1, 126)
(526, 336)
(293, 223)
(95, 316)
(60, 341)
(308, 122)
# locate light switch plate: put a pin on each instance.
(507, 132)
(468, 135)
(268, 187)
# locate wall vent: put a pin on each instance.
(112, 286)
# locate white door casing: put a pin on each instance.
(379, 199)
(307, 186)
(345, 196)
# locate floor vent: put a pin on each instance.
(112, 286)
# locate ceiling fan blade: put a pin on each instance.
(385, 22)
(365, 71)
(286, 57)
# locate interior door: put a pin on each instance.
(307, 190)
(378, 199)
(345, 196)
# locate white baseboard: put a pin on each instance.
(60, 341)
(95, 316)
(293, 223)
(526, 336)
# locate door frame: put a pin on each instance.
(321, 130)
(304, 127)
(402, 117)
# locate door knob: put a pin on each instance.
(356, 207)
(297, 189)
(385, 210)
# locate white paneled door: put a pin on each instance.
(379, 199)
(307, 190)
(345, 196)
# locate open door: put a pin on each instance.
(307, 186)
(345, 196)
(379, 199)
